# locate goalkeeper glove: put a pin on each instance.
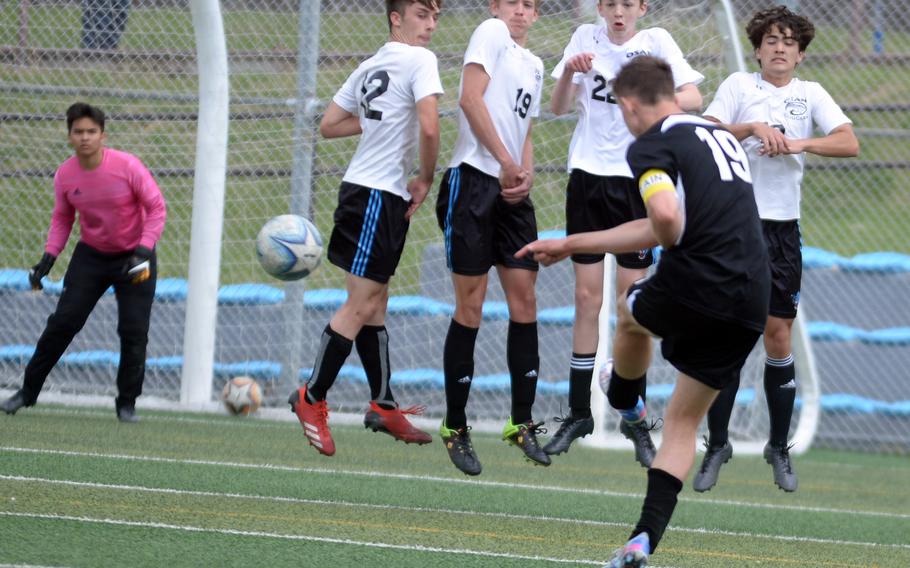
(40, 270)
(138, 266)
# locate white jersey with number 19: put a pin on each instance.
(512, 96)
(383, 92)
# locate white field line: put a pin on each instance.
(450, 480)
(306, 538)
(277, 417)
(510, 516)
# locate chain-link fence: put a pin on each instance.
(137, 61)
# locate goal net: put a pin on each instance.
(137, 61)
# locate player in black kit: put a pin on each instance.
(708, 299)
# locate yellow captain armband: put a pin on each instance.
(654, 181)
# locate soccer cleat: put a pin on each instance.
(14, 403)
(127, 415)
(461, 451)
(779, 458)
(524, 435)
(392, 422)
(634, 554)
(640, 435)
(715, 456)
(570, 429)
(315, 421)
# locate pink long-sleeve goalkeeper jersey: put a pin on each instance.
(120, 206)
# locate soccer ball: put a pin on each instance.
(242, 396)
(289, 247)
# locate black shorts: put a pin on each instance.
(369, 232)
(783, 241)
(709, 350)
(481, 229)
(595, 203)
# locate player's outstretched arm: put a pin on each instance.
(428, 119)
(474, 85)
(628, 237)
(338, 123)
(839, 143)
(565, 91)
(773, 141)
(689, 98)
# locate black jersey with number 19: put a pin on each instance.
(719, 265)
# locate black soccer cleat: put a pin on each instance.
(524, 435)
(14, 403)
(569, 429)
(640, 435)
(715, 456)
(461, 451)
(779, 458)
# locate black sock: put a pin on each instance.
(524, 364)
(333, 350)
(581, 371)
(719, 415)
(623, 393)
(373, 348)
(660, 501)
(458, 367)
(643, 388)
(780, 391)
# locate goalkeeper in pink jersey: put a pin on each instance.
(121, 216)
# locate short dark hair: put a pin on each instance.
(761, 23)
(84, 110)
(648, 79)
(401, 5)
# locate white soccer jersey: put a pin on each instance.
(601, 137)
(384, 91)
(746, 97)
(512, 96)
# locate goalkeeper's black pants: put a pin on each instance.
(89, 274)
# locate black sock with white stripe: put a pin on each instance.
(581, 371)
(524, 363)
(373, 348)
(458, 367)
(334, 348)
(780, 391)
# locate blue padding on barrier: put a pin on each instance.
(419, 306)
(818, 258)
(557, 316)
(171, 290)
(493, 311)
(174, 363)
(250, 294)
(878, 262)
(347, 372)
(325, 299)
(552, 234)
(91, 359)
(17, 353)
(890, 336)
(830, 331)
(419, 378)
(15, 280)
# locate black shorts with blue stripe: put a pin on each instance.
(369, 233)
(480, 228)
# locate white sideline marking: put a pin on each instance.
(27, 566)
(435, 479)
(234, 532)
(511, 516)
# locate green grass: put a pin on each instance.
(202, 490)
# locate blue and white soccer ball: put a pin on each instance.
(289, 247)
